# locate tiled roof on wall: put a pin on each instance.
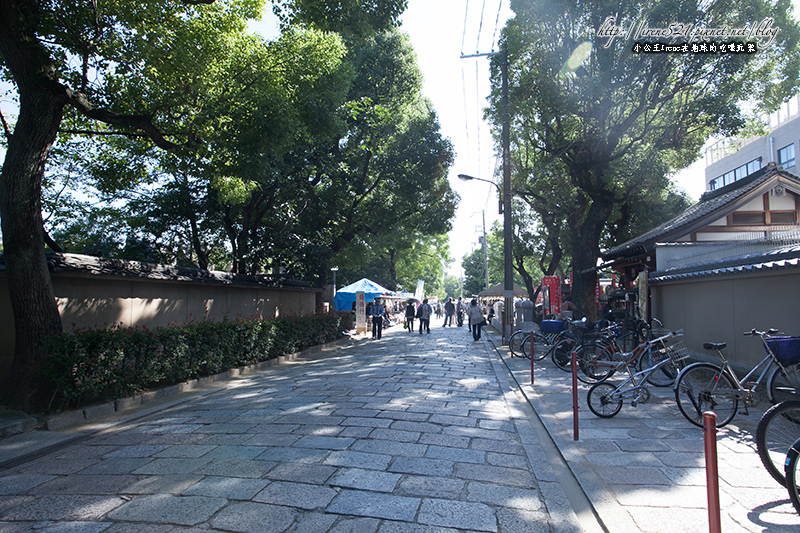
(87, 264)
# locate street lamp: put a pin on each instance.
(334, 270)
(508, 275)
(467, 177)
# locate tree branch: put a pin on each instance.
(139, 122)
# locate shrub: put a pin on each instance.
(93, 365)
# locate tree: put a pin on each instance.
(124, 68)
(608, 120)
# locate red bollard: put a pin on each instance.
(575, 395)
(712, 473)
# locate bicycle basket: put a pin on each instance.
(552, 326)
(676, 351)
(786, 349)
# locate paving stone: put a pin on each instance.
(294, 455)
(88, 484)
(456, 454)
(168, 509)
(375, 505)
(162, 484)
(373, 480)
(67, 507)
(314, 522)
(21, 483)
(356, 525)
(504, 496)
(522, 521)
(186, 451)
(495, 474)
(141, 450)
(302, 495)
(431, 486)
(459, 515)
(172, 466)
(302, 473)
(231, 488)
(403, 449)
(249, 468)
(117, 466)
(421, 465)
(325, 443)
(372, 461)
(250, 517)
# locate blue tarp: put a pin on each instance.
(346, 296)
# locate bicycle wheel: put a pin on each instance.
(792, 472)
(777, 430)
(663, 377)
(596, 363)
(562, 354)
(628, 342)
(705, 387)
(515, 343)
(784, 384)
(541, 346)
(602, 400)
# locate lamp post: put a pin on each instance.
(334, 270)
(508, 276)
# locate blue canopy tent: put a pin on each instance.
(346, 296)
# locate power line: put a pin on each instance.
(464, 30)
(496, 22)
(480, 28)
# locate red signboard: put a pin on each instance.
(553, 284)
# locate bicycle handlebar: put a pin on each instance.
(755, 333)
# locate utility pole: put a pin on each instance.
(485, 251)
(508, 276)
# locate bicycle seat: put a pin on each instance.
(715, 345)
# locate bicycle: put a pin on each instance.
(605, 399)
(710, 387)
(601, 361)
(792, 473)
(520, 345)
(777, 430)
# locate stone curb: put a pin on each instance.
(95, 412)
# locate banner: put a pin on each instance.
(361, 313)
(420, 292)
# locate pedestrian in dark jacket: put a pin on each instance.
(410, 312)
(376, 313)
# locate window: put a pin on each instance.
(746, 219)
(739, 173)
(786, 156)
(783, 217)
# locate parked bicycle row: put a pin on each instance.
(654, 356)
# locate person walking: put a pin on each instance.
(424, 314)
(376, 312)
(410, 312)
(476, 320)
(459, 312)
(449, 309)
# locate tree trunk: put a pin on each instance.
(30, 288)
(29, 285)
(586, 231)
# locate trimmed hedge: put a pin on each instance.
(94, 365)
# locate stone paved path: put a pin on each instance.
(410, 433)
